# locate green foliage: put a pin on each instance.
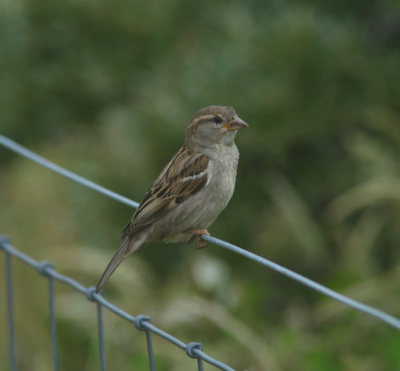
(106, 88)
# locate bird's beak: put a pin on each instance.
(236, 124)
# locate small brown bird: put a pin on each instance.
(192, 189)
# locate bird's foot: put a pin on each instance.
(198, 232)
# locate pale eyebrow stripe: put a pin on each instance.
(202, 118)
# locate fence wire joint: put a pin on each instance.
(44, 266)
(138, 321)
(91, 293)
(190, 349)
(3, 240)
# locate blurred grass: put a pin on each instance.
(106, 89)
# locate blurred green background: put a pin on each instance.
(105, 88)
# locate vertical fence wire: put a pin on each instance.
(10, 312)
(140, 321)
(200, 364)
(43, 268)
(53, 325)
(100, 328)
(150, 351)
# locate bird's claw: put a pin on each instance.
(198, 232)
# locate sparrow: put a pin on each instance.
(192, 189)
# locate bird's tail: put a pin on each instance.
(127, 247)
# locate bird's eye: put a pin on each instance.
(217, 119)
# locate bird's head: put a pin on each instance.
(213, 126)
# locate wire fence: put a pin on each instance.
(141, 322)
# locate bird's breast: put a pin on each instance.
(200, 210)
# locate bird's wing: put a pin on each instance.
(186, 174)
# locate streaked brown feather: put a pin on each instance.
(168, 191)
